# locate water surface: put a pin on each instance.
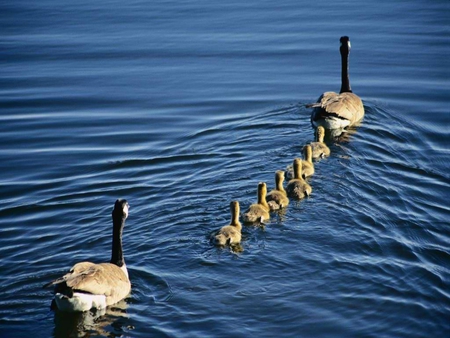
(181, 108)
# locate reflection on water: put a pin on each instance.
(279, 216)
(110, 322)
(341, 135)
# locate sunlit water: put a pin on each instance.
(181, 108)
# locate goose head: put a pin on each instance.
(262, 192)
(345, 45)
(235, 210)
(234, 206)
(120, 210)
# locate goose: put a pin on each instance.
(338, 111)
(297, 187)
(319, 148)
(277, 198)
(230, 234)
(258, 212)
(88, 285)
(307, 164)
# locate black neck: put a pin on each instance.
(117, 251)
(345, 81)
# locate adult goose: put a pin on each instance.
(230, 234)
(258, 212)
(337, 111)
(277, 198)
(297, 187)
(88, 285)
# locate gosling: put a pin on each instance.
(319, 148)
(230, 234)
(307, 164)
(258, 212)
(297, 187)
(277, 198)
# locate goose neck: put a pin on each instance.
(345, 79)
(262, 198)
(320, 138)
(279, 185)
(298, 170)
(235, 217)
(320, 134)
(308, 155)
(117, 250)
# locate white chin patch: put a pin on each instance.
(125, 209)
(349, 46)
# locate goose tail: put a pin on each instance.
(313, 105)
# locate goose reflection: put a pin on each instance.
(340, 135)
(109, 322)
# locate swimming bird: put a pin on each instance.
(258, 212)
(337, 111)
(319, 148)
(277, 198)
(297, 187)
(88, 285)
(230, 234)
(307, 164)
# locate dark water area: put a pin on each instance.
(181, 107)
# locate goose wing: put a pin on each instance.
(276, 199)
(346, 106)
(77, 271)
(97, 279)
(228, 232)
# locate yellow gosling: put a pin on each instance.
(307, 165)
(230, 234)
(297, 187)
(277, 198)
(258, 212)
(319, 148)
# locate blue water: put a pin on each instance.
(181, 107)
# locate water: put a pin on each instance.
(183, 107)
